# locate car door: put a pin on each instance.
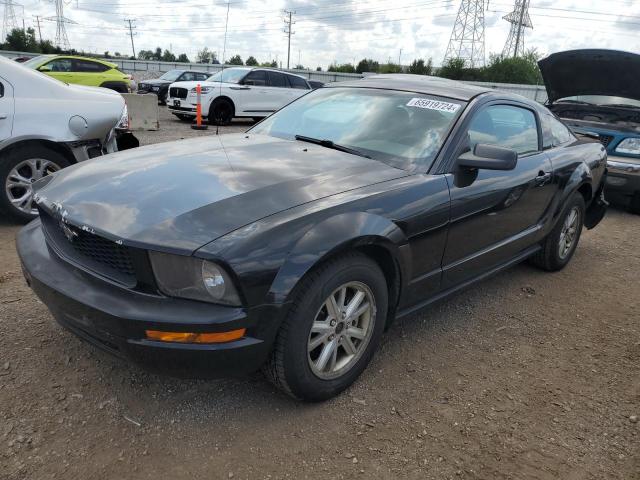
(253, 93)
(6, 109)
(89, 73)
(496, 215)
(60, 69)
(297, 87)
(278, 91)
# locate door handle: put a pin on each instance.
(3, 116)
(542, 178)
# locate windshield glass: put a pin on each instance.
(35, 61)
(171, 75)
(602, 100)
(229, 75)
(402, 129)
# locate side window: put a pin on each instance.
(297, 82)
(560, 132)
(256, 77)
(1, 90)
(506, 126)
(86, 66)
(187, 77)
(201, 76)
(277, 79)
(61, 65)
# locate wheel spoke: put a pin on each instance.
(16, 180)
(355, 332)
(348, 345)
(326, 355)
(332, 307)
(358, 313)
(317, 341)
(354, 304)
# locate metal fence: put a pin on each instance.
(145, 69)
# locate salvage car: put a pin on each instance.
(237, 92)
(46, 125)
(597, 92)
(160, 86)
(291, 247)
(82, 71)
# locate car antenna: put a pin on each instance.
(224, 54)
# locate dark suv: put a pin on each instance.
(160, 86)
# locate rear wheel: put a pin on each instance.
(560, 244)
(332, 329)
(634, 205)
(19, 169)
(221, 112)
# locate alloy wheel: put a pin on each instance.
(568, 233)
(341, 330)
(19, 183)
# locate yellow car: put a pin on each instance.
(81, 71)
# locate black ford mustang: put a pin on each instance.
(292, 246)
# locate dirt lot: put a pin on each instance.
(528, 375)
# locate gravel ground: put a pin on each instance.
(528, 375)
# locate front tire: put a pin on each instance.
(221, 112)
(559, 246)
(19, 169)
(332, 330)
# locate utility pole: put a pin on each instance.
(287, 29)
(467, 37)
(399, 57)
(131, 34)
(519, 20)
(224, 46)
(39, 31)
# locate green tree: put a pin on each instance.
(390, 68)
(453, 69)
(299, 67)
(167, 56)
(204, 56)
(145, 54)
(418, 67)
(271, 64)
(251, 61)
(235, 60)
(21, 40)
(182, 58)
(367, 65)
(318, 69)
(514, 70)
(344, 68)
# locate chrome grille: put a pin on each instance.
(177, 92)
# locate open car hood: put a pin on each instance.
(591, 72)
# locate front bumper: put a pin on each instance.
(624, 177)
(114, 318)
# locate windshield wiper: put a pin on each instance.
(330, 144)
(622, 105)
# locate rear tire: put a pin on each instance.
(221, 112)
(559, 246)
(19, 168)
(303, 363)
(634, 204)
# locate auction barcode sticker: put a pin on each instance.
(434, 105)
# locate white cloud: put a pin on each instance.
(331, 30)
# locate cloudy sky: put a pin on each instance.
(329, 30)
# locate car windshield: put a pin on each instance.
(602, 100)
(229, 75)
(35, 61)
(171, 75)
(402, 129)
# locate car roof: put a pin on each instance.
(418, 83)
(78, 57)
(278, 71)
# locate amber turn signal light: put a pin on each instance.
(186, 337)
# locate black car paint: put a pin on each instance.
(270, 223)
(163, 84)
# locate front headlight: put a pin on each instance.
(155, 89)
(194, 278)
(123, 123)
(202, 90)
(630, 146)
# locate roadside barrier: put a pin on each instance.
(198, 125)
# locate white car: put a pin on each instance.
(46, 125)
(237, 92)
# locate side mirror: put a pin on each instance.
(489, 157)
(44, 68)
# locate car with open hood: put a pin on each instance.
(160, 86)
(598, 92)
(291, 247)
(46, 125)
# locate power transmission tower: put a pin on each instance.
(9, 21)
(519, 20)
(61, 40)
(287, 29)
(131, 34)
(467, 36)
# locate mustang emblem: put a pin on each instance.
(68, 231)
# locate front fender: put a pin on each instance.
(331, 236)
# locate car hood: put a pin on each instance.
(591, 72)
(178, 196)
(156, 81)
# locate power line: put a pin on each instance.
(519, 20)
(467, 36)
(131, 34)
(287, 29)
